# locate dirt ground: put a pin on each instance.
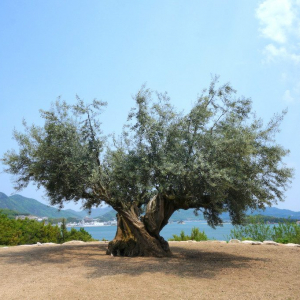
(204, 270)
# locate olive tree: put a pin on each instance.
(217, 157)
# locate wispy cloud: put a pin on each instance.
(287, 97)
(273, 52)
(292, 94)
(280, 24)
(276, 18)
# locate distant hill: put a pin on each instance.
(277, 212)
(96, 212)
(177, 216)
(25, 205)
(269, 211)
(30, 206)
(182, 214)
(189, 214)
(108, 216)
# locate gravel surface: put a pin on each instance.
(204, 270)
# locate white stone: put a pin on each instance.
(251, 242)
(73, 242)
(234, 241)
(216, 241)
(257, 243)
(270, 243)
(247, 242)
(292, 245)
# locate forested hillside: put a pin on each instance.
(25, 205)
(30, 206)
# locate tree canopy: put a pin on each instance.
(217, 157)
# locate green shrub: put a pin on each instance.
(256, 229)
(80, 235)
(20, 232)
(287, 232)
(11, 214)
(196, 235)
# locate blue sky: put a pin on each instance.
(108, 49)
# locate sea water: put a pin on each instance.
(220, 233)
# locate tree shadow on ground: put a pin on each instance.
(185, 262)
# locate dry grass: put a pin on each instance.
(205, 270)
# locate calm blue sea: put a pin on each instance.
(220, 233)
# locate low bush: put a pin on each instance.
(287, 232)
(20, 232)
(257, 230)
(80, 235)
(196, 235)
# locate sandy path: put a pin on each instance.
(205, 270)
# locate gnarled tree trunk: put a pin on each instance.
(139, 236)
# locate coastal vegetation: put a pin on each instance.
(271, 219)
(20, 232)
(217, 157)
(11, 214)
(195, 235)
(256, 229)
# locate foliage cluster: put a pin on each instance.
(256, 229)
(217, 157)
(271, 219)
(11, 214)
(196, 235)
(21, 232)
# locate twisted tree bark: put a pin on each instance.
(139, 236)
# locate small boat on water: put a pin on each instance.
(180, 222)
